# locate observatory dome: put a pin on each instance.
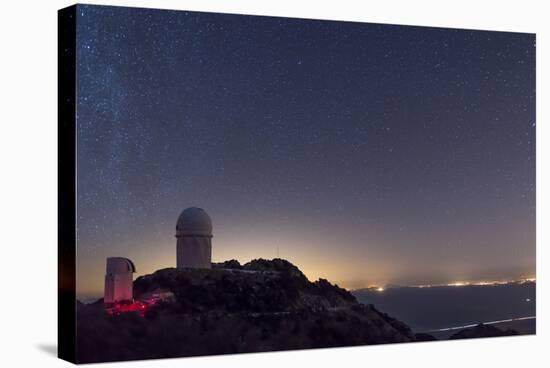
(120, 265)
(194, 221)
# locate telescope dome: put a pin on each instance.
(194, 221)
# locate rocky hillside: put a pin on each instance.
(257, 287)
(232, 308)
(482, 330)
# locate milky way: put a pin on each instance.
(367, 153)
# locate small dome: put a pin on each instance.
(194, 221)
(116, 265)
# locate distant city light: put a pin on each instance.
(479, 283)
(459, 283)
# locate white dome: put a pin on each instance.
(194, 221)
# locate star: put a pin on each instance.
(362, 144)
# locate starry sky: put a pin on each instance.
(363, 153)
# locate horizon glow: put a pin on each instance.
(365, 154)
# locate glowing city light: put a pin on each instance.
(459, 283)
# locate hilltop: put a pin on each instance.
(263, 305)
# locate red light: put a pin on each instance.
(136, 306)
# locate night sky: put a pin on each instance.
(368, 154)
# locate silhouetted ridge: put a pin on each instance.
(263, 305)
(482, 330)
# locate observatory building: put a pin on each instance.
(194, 239)
(119, 280)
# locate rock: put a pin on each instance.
(482, 330)
(231, 264)
(421, 336)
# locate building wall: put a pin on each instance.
(194, 252)
(118, 287)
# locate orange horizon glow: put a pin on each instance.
(312, 267)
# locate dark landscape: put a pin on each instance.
(428, 309)
(367, 154)
(259, 306)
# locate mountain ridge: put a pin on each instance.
(263, 305)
